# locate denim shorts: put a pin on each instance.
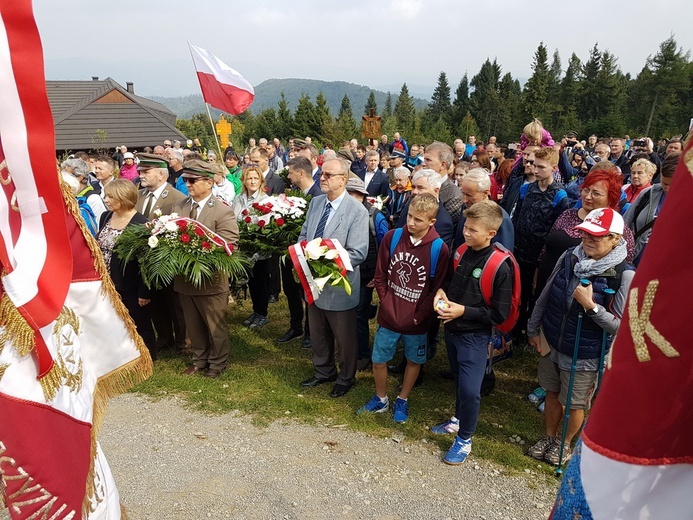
(385, 344)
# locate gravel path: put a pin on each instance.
(173, 463)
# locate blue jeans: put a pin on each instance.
(471, 351)
(363, 310)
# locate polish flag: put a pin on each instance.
(67, 343)
(222, 87)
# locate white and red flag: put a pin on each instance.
(634, 459)
(66, 340)
(222, 86)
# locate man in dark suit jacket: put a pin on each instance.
(428, 181)
(274, 184)
(205, 308)
(310, 152)
(333, 315)
(438, 157)
(376, 181)
(301, 176)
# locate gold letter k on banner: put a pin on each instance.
(640, 324)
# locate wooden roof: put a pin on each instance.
(83, 110)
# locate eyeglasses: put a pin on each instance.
(593, 194)
(584, 235)
(330, 175)
(192, 180)
(529, 162)
(250, 165)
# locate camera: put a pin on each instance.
(641, 143)
(570, 142)
(581, 153)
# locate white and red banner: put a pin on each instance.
(320, 249)
(222, 86)
(66, 341)
(634, 459)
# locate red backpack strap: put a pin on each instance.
(458, 255)
(488, 274)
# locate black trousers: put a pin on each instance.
(259, 286)
(294, 296)
(167, 316)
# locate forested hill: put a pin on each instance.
(268, 93)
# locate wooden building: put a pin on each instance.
(103, 114)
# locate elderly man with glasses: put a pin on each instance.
(332, 316)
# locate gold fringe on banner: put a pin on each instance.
(17, 330)
(123, 378)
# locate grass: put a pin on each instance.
(263, 381)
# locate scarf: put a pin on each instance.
(586, 267)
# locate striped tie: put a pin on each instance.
(323, 221)
(195, 211)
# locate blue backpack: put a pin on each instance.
(88, 216)
(557, 198)
(436, 246)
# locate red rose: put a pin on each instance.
(206, 245)
(280, 222)
(218, 241)
(199, 232)
(255, 205)
(231, 247)
(247, 220)
(182, 224)
(185, 238)
(244, 212)
(260, 223)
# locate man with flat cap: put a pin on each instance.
(158, 195)
(205, 308)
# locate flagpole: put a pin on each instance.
(216, 137)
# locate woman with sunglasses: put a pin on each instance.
(578, 313)
(253, 191)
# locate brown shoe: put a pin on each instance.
(213, 373)
(192, 370)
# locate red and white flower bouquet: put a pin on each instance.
(319, 262)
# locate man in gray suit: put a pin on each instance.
(332, 317)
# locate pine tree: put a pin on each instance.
(587, 100)
(440, 106)
(370, 104)
(387, 112)
(345, 120)
(405, 112)
(305, 121)
(460, 106)
(283, 130)
(510, 121)
(484, 101)
(569, 90)
(323, 117)
(664, 90)
(536, 88)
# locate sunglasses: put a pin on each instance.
(192, 180)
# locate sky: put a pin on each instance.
(378, 43)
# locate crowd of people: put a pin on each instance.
(541, 234)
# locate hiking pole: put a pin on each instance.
(573, 367)
(610, 294)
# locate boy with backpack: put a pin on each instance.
(482, 294)
(412, 265)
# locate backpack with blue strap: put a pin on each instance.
(436, 246)
(557, 198)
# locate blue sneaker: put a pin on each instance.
(458, 452)
(401, 411)
(375, 405)
(451, 426)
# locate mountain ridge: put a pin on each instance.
(268, 94)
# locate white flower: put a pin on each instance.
(171, 225)
(157, 212)
(320, 282)
(314, 250)
(332, 254)
(153, 241)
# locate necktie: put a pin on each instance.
(323, 221)
(150, 203)
(195, 212)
